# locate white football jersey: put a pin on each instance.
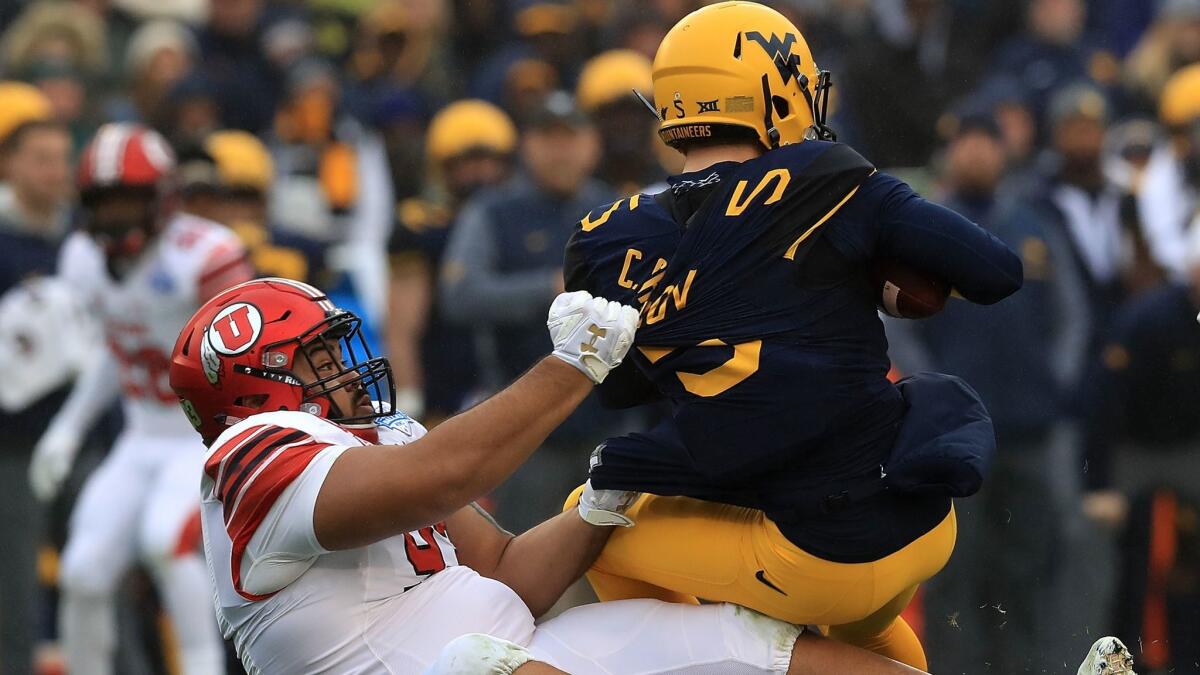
(142, 313)
(291, 605)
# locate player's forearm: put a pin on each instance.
(935, 239)
(543, 562)
(375, 492)
(478, 449)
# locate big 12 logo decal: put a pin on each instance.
(234, 331)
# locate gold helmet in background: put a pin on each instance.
(469, 125)
(1179, 104)
(242, 160)
(611, 76)
(739, 69)
(21, 103)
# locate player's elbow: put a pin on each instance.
(1001, 279)
(1007, 277)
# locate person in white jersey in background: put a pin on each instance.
(144, 268)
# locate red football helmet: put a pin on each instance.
(125, 187)
(236, 355)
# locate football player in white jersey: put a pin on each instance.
(328, 521)
(144, 268)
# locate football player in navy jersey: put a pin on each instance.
(826, 488)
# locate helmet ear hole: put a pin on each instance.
(187, 344)
(253, 402)
(781, 106)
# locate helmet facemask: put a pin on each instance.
(778, 112)
(336, 352)
(122, 221)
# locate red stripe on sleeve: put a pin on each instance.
(212, 465)
(245, 460)
(258, 497)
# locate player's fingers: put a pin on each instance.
(566, 303)
(629, 317)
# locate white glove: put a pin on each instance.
(605, 508)
(52, 459)
(592, 334)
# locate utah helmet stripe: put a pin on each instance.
(110, 151)
(315, 294)
(157, 152)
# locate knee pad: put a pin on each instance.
(479, 654)
(757, 638)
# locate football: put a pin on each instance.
(907, 293)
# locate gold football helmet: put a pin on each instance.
(1179, 105)
(21, 103)
(739, 69)
(242, 160)
(611, 76)
(466, 125)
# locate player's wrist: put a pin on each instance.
(562, 368)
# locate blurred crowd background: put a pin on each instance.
(425, 160)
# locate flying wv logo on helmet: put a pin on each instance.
(780, 52)
(744, 73)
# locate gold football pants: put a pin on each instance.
(682, 549)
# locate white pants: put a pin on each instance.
(321, 624)
(640, 637)
(136, 506)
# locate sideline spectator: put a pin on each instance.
(900, 75)
(628, 131)
(1170, 191)
(35, 153)
(1017, 354)
(1077, 196)
(247, 85)
(159, 55)
(1050, 54)
(469, 147)
(1171, 43)
(504, 262)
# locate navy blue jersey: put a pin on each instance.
(759, 325)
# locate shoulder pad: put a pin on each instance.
(812, 157)
(624, 210)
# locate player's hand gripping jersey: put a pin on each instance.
(759, 323)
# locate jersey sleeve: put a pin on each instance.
(267, 479)
(285, 543)
(575, 265)
(80, 262)
(886, 217)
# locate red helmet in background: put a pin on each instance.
(237, 354)
(126, 188)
